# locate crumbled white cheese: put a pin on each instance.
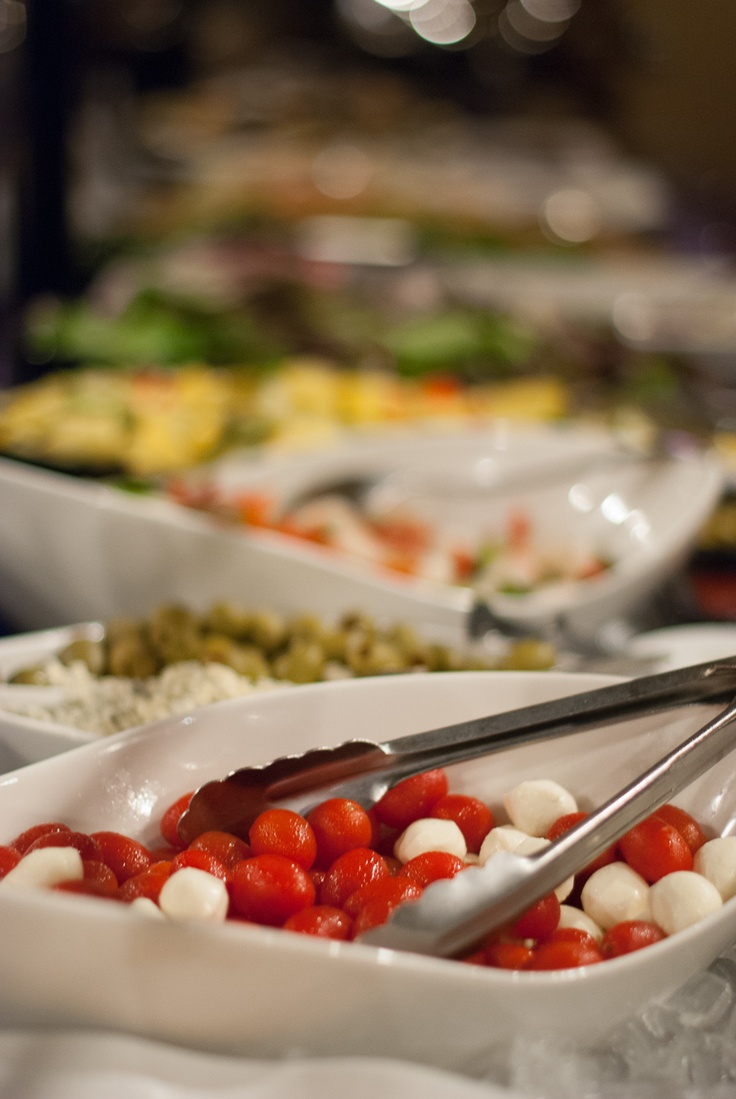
(112, 703)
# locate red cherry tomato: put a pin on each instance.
(22, 842)
(101, 874)
(375, 912)
(472, 816)
(564, 824)
(629, 935)
(411, 799)
(539, 921)
(170, 820)
(148, 883)
(124, 856)
(339, 825)
(224, 846)
(88, 848)
(283, 832)
(431, 866)
(8, 859)
(685, 824)
(654, 848)
(87, 887)
(387, 890)
(563, 954)
(200, 860)
(321, 920)
(267, 889)
(507, 954)
(349, 872)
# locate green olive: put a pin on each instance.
(302, 662)
(529, 655)
(375, 657)
(34, 677)
(92, 653)
(229, 619)
(174, 634)
(267, 630)
(131, 656)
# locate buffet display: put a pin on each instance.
(366, 421)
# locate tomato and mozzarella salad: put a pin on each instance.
(508, 560)
(340, 869)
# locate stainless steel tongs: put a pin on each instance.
(364, 769)
(453, 915)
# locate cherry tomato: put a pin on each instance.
(88, 848)
(654, 848)
(87, 887)
(22, 842)
(200, 860)
(170, 820)
(321, 920)
(629, 935)
(472, 816)
(539, 921)
(101, 874)
(685, 824)
(224, 846)
(564, 824)
(563, 954)
(507, 954)
(391, 890)
(431, 866)
(148, 883)
(124, 856)
(339, 825)
(8, 859)
(411, 799)
(375, 912)
(267, 889)
(283, 832)
(349, 872)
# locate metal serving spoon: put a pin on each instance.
(364, 769)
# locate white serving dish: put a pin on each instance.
(118, 553)
(24, 739)
(674, 647)
(77, 961)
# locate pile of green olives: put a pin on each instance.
(262, 644)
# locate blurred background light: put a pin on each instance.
(526, 33)
(443, 22)
(342, 170)
(570, 216)
(551, 11)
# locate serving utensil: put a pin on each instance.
(363, 769)
(453, 915)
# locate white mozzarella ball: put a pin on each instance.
(508, 838)
(681, 899)
(430, 834)
(716, 861)
(45, 867)
(193, 894)
(534, 805)
(613, 893)
(144, 906)
(573, 917)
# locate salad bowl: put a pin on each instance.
(236, 988)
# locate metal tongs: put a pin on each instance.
(452, 915)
